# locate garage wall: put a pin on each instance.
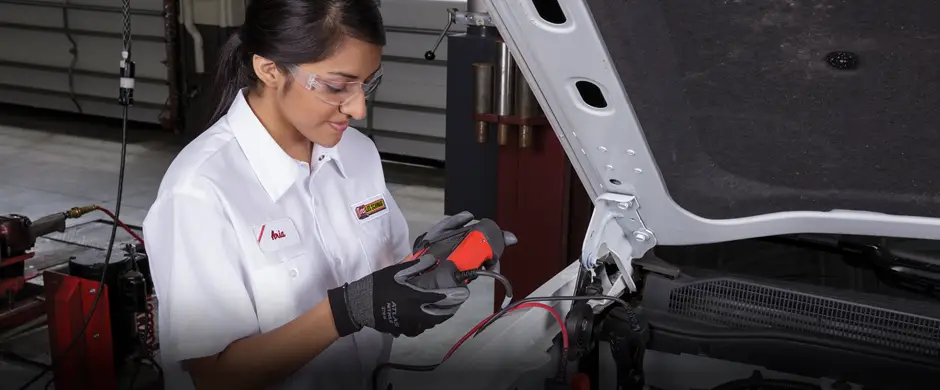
(36, 56)
(407, 112)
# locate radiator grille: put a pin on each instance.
(739, 304)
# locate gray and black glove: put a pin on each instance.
(387, 302)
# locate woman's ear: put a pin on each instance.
(266, 70)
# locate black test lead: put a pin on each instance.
(125, 99)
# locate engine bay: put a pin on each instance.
(755, 236)
(768, 313)
(826, 308)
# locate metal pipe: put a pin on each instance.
(478, 11)
(47, 225)
(526, 108)
(410, 30)
(413, 60)
(482, 96)
(476, 6)
(224, 10)
(189, 22)
(505, 74)
(171, 120)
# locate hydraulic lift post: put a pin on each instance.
(503, 160)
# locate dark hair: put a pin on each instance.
(290, 32)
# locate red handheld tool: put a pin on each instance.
(461, 253)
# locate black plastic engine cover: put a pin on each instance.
(807, 330)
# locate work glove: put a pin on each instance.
(437, 240)
(387, 302)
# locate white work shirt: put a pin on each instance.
(243, 239)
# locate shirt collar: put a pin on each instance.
(273, 167)
(322, 153)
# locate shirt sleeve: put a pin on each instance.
(203, 301)
(399, 237)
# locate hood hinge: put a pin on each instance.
(616, 227)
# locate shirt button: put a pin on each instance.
(293, 272)
(320, 158)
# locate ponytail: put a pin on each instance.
(232, 74)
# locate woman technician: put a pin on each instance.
(274, 244)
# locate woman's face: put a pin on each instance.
(322, 112)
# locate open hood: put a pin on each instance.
(730, 119)
(693, 122)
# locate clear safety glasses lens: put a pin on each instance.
(337, 92)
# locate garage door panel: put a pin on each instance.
(406, 122)
(79, 20)
(413, 45)
(34, 47)
(84, 84)
(427, 14)
(410, 122)
(407, 119)
(104, 54)
(111, 22)
(149, 5)
(414, 84)
(419, 95)
(415, 73)
(395, 144)
(94, 53)
(143, 92)
(64, 104)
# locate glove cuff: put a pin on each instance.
(342, 318)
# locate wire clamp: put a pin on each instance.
(616, 229)
(126, 91)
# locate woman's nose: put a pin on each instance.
(356, 107)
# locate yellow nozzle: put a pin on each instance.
(77, 212)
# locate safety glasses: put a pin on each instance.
(335, 91)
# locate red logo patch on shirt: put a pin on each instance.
(370, 208)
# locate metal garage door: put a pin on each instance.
(64, 55)
(408, 114)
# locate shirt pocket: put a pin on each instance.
(375, 242)
(272, 288)
(280, 257)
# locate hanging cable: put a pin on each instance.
(126, 99)
(73, 50)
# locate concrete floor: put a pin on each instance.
(45, 171)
